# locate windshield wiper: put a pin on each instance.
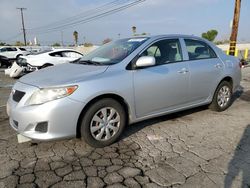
(89, 62)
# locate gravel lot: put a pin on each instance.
(194, 148)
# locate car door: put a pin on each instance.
(163, 86)
(205, 70)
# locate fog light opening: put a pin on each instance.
(42, 127)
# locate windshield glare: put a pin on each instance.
(114, 52)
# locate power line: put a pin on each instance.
(85, 13)
(24, 33)
(101, 15)
(91, 17)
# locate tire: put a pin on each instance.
(18, 56)
(222, 97)
(94, 127)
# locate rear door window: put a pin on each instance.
(22, 49)
(13, 49)
(71, 54)
(56, 54)
(199, 50)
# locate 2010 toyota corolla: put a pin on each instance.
(123, 82)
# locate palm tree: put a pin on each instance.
(75, 34)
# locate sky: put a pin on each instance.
(151, 16)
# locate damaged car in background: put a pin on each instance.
(40, 60)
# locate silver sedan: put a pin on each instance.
(120, 83)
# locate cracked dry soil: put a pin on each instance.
(194, 148)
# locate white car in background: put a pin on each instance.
(41, 60)
(48, 58)
(13, 53)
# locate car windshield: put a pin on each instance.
(113, 52)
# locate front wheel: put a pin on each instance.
(222, 98)
(103, 122)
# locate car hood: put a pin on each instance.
(63, 74)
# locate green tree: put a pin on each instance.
(75, 35)
(56, 44)
(2, 43)
(210, 35)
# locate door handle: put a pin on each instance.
(218, 65)
(183, 71)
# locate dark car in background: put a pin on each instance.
(4, 61)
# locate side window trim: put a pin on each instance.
(185, 55)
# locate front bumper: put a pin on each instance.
(56, 119)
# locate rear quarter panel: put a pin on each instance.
(232, 68)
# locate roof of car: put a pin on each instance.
(168, 36)
(63, 49)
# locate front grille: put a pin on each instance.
(18, 95)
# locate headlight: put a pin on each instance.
(48, 94)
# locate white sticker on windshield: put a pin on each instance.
(100, 59)
(137, 40)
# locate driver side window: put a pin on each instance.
(153, 51)
(165, 51)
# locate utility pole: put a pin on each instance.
(24, 31)
(233, 38)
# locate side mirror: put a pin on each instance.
(145, 61)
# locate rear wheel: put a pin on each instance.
(222, 98)
(103, 123)
(18, 56)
